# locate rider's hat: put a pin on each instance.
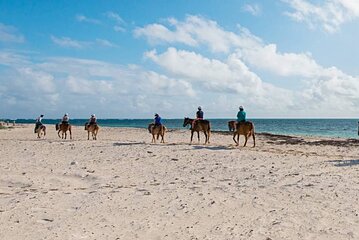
(199, 108)
(92, 115)
(241, 107)
(66, 114)
(41, 115)
(156, 114)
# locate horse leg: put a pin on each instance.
(153, 138)
(246, 139)
(70, 133)
(88, 135)
(205, 134)
(191, 136)
(254, 139)
(198, 136)
(209, 134)
(234, 137)
(162, 138)
(58, 133)
(66, 135)
(238, 139)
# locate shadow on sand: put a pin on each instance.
(128, 143)
(212, 147)
(344, 163)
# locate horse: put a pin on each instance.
(40, 130)
(199, 125)
(232, 126)
(246, 129)
(63, 127)
(92, 128)
(157, 130)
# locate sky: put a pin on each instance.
(131, 59)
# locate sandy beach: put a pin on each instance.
(123, 187)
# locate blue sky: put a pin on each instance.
(130, 59)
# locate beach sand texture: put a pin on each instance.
(123, 187)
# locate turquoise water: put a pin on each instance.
(343, 128)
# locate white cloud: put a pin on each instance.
(329, 15)
(195, 31)
(321, 86)
(120, 23)
(10, 34)
(69, 43)
(106, 43)
(253, 9)
(83, 18)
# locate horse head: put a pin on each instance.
(186, 121)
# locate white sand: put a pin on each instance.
(123, 187)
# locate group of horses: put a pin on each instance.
(64, 127)
(244, 128)
(157, 131)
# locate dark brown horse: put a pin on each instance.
(40, 130)
(198, 126)
(92, 128)
(157, 130)
(246, 129)
(232, 126)
(63, 127)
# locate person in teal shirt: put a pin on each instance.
(241, 116)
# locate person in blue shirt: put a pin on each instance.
(158, 120)
(199, 116)
(241, 116)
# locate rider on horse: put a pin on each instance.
(241, 116)
(65, 119)
(158, 120)
(38, 123)
(92, 120)
(199, 116)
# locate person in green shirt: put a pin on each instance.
(241, 116)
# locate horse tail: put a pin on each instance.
(57, 126)
(150, 128)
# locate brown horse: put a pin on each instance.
(63, 127)
(157, 130)
(232, 126)
(40, 130)
(246, 129)
(92, 128)
(197, 126)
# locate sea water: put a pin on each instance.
(342, 128)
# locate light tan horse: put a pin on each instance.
(246, 129)
(232, 126)
(198, 126)
(157, 131)
(41, 130)
(93, 128)
(63, 127)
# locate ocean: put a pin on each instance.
(341, 128)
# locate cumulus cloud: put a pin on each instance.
(329, 15)
(10, 34)
(85, 86)
(321, 86)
